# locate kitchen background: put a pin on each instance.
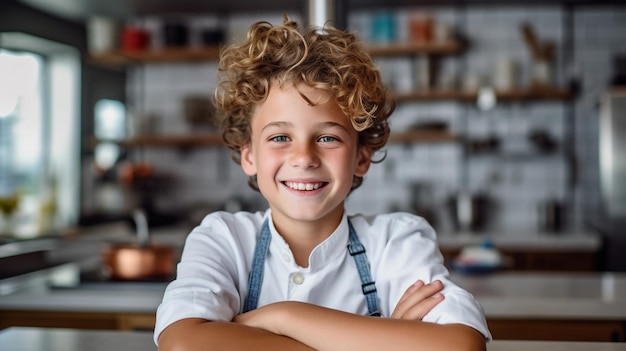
(515, 175)
(502, 138)
(520, 161)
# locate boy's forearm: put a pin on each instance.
(327, 329)
(198, 334)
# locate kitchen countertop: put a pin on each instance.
(571, 296)
(565, 296)
(535, 241)
(46, 339)
(90, 297)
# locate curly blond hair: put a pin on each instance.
(329, 59)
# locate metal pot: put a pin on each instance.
(133, 262)
(470, 212)
(139, 261)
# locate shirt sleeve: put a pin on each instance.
(410, 252)
(208, 275)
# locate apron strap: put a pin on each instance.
(357, 251)
(255, 280)
(355, 248)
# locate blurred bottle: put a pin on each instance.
(383, 28)
(48, 206)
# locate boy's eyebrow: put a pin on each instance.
(322, 125)
(333, 125)
(277, 124)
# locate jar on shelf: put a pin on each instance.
(421, 27)
(383, 28)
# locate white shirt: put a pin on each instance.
(212, 277)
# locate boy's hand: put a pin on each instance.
(418, 300)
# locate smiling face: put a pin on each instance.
(304, 157)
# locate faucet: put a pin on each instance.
(141, 223)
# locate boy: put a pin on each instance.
(304, 112)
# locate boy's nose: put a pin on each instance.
(304, 156)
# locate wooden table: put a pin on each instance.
(46, 339)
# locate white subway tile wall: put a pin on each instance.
(517, 178)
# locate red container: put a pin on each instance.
(134, 38)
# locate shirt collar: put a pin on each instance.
(334, 246)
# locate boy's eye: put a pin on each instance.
(280, 138)
(327, 139)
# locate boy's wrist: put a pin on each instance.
(281, 316)
(272, 317)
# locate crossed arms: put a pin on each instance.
(298, 326)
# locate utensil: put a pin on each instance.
(550, 216)
(528, 33)
(542, 54)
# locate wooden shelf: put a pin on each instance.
(399, 49)
(535, 94)
(214, 140)
(169, 141)
(422, 136)
(211, 53)
(183, 54)
(179, 141)
(546, 94)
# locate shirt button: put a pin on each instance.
(297, 279)
(286, 257)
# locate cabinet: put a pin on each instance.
(78, 320)
(554, 260)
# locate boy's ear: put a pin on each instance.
(247, 161)
(363, 161)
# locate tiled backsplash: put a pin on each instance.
(516, 178)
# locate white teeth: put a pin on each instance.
(303, 186)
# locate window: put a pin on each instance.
(22, 155)
(39, 135)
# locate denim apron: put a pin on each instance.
(355, 248)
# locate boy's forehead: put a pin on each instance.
(311, 95)
(283, 94)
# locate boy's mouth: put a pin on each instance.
(304, 186)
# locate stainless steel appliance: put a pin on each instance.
(612, 158)
(613, 152)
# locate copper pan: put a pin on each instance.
(133, 262)
(139, 261)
